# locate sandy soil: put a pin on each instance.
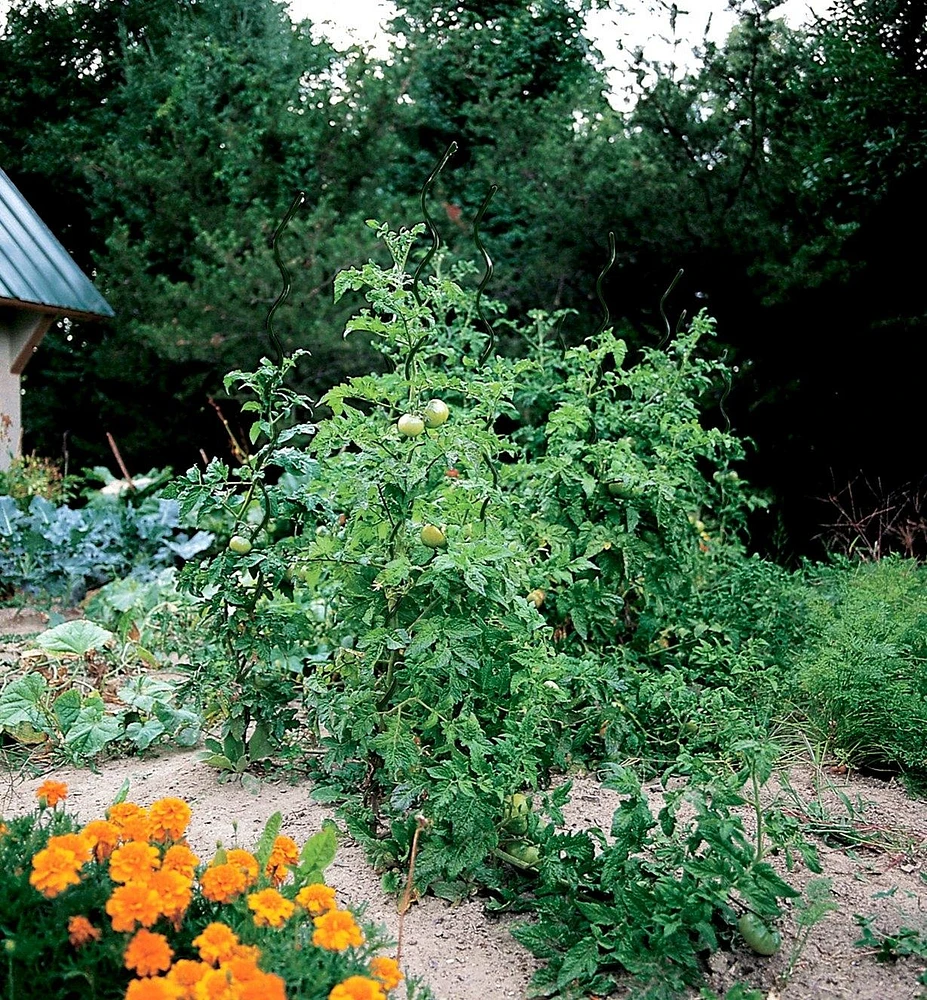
(465, 954)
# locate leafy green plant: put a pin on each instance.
(659, 891)
(31, 476)
(863, 673)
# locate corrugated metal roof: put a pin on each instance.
(35, 269)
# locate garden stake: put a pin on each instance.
(666, 322)
(284, 273)
(606, 315)
(435, 238)
(119, 461)
(487, 274)
(420, 824)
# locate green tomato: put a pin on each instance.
(433, 537)
(536, 597)
(762, 939)
(527, 854)
(435, 413)
(410, 425)
(239, 545)
(516, 809)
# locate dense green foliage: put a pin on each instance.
(777, 171)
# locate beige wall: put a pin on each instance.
(20, 332)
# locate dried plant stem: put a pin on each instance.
(406, 902)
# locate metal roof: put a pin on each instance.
(36, 272)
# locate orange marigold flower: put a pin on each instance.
(386, 970)
(246, 861)
(50, 793)
(133, 904)
(358, 988)
(186, 973)
(157, 988)
(78, 844)
(316, 898)
(174, 890)
(147, 954)
(216, 943)
(131, 820)
(223, 883)
(247, 952)
(81, 931)
(284, 853)
(270, 908)
(337, 930)
(3, 828)
(103, 837)
(53, 870)
(134, 862)
(266, 987)
(179, 858)
(169, 819)
(217, 984)
(242, 969)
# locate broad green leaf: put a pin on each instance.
(67, 709)
(75, 638)
(21, 701)
(318, 852)
(266, 843)
(260, 746)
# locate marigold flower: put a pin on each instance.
(316, 898)
(242, 969)
(3, 828)
(266, 987)
(186, 973)
(270, 908)
(246, 861)
(81, 931)
(148, 954)
(133, 904)
(134, 862)
(216, 943)
(223, 883)
(103, 837)
(358, 988)
(179, 858)
(169, 818)
(217, 984)
(53, 870)
(386, 970)
(174, 890)
(50, 793)
(284, 853)
(157, 988)
(131, 820)
(337, 930)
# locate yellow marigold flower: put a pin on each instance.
(179, 858)
(169, 819)
(148, 954)
(174, 890)
(157, 988)
(216, 943)
(270, 908)
(134, 862)
(246, 861)
(50, 793)
(53, 870)
(387, 971)
(186, 973)
(284, 853)
(103, 837)
(358, 988)
(223, 883)
(217, 984)
(266, 987)
(133, 904)
(316, 898)
(337, 930)
(81, 931)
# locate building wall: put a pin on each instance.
(10, 406)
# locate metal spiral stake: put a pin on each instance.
(435, 238)
(487, 274)
(284, 273)
(666, 322)
(606, 315)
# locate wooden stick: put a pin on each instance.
(406, 901)
(119, 461)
